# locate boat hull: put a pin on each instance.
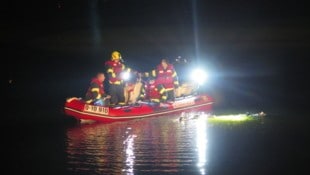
(76, 108)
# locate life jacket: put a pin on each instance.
(165, 76)
(155, 91)
(114, 69)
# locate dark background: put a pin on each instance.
(255, 50)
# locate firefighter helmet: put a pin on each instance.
(116, 55)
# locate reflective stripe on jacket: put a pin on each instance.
(114, 70)
(155, 92)
(95, 91)
(167, 77)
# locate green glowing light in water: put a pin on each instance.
(238, 117)
(233, 118)
(225, 119)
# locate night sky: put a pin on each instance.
(255, 49)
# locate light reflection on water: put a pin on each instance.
(160, 145)
(202, 143)
(129, 149)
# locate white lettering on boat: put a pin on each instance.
(183, 103)
(96, 109)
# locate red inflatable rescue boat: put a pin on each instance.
(77, 108)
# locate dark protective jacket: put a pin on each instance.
(114, 70)
(167, 77)
(95, 91)
(155, 92)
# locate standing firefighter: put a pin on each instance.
(115, 70)
(166, 75)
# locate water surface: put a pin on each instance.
(162, 145)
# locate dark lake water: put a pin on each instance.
(38, 138)
(159, 145)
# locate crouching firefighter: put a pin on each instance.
(154, 92)
(95, 93)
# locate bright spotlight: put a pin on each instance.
(125, 76)
(199, 76)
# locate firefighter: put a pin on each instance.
(95, 93)
(154, 92)
(115, 69)
(166, 75)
